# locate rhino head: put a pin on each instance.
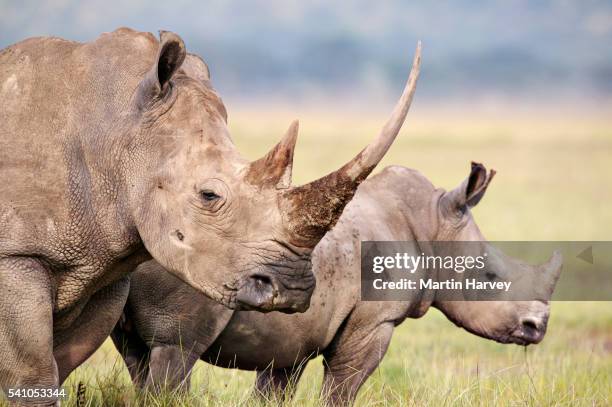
(233, 229)
(503, 320)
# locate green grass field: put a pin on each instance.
(554, 182)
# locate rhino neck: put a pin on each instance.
(118, 153)
(104, 125)
(394, 205)
(409, 208)
(100, 176)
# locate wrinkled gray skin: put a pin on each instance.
(167, 326)
(117, 150)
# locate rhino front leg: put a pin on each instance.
(26, 327)
(350, 360)
(91, 328)
(279, 384)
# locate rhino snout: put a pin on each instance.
(531, 329)
(263, 292)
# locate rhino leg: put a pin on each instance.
(26, 327)
(91, 328)
(278, 384)
(353, 355)
(170, 367)
(133, 350)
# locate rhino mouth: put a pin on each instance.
(265, 292)
(529, 332)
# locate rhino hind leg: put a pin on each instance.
(278, 384)
(170, 368)
(351, 358)
(26, 327)
(133, 350)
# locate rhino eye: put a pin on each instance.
(461, 210)
(208, 195)
(490, 275)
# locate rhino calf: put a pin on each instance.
(167, 326)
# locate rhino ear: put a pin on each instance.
(195, 67)
(170, 57)
(471, 191)
(478, 181)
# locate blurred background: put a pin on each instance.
(527, 52)
(524, 87)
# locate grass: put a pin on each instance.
(430, 362)
(554, 182)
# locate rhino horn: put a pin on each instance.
(274, 168)
(312, 209)
(550, 272)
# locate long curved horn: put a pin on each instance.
(312, 209)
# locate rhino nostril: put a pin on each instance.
(530, 326)
(257, 292)
(261, 280)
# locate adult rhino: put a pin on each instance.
(167, 326)
(116, 151)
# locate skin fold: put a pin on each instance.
(116, 151)
(167, 326)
